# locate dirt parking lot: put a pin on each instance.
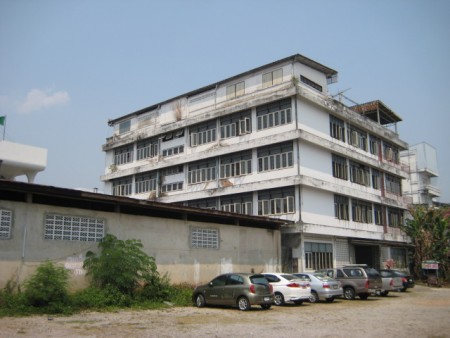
(420, 312)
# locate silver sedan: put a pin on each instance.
(322, 286)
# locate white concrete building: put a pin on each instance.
(20, 159)
(272, 141)
(422, 185)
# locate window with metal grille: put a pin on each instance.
(318, 255)
(74, 228)
(5, 223)
(341, 207)
(337, 128)
(340, 168)
(202, 238)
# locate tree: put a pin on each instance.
(429, 230)
(120, 264)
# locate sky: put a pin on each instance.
(67, 67)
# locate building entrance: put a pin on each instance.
(368, 254)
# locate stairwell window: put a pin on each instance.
(341, 207)
(272, 78)
(5, 223)
(235, 90)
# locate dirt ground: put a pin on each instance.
(419, 312)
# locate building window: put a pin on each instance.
(207, 203)
(276, 202)
(236, 165)
(359, 174)
(361, 211)
(274, 114)
(145, 183)
(124, 127)
(241, 204)
(123, 155)
(5, 223)
(173, 151)
(122, 187)
(177, 186)
(274, 157)
(318, 255)
(340, 169)
(357, 138)
(202, 172)
(74, 228)
(272, 78)
(202, 238)
(310, 83)
(390, 153)
(375, 143)
(399, 257)
(235, 90)
(341, 207)
(376, 179)
(377, 212)
(395, 217)
(202, 134)
(147, 149)
(337, 128)
(393, 184)
(236, 124)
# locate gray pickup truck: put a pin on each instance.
(357, 280)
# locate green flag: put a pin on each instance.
(2, 120)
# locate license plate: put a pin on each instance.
(267, 299)
(335, 286)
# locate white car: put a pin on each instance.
(288, 288)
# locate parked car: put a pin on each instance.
(357, 280)
(288, 288)
(390, 281)
(323, 287)
(408, 280)
(235, 289)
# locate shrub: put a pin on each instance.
(47, 288)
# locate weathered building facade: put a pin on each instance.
(42, 223)
(272, 141)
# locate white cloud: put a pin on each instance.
(38, 99)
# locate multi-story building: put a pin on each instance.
(272, 141)
(421, 186)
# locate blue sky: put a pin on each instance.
(66, 67)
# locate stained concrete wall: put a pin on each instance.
(242, 249)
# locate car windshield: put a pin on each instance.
(258, 279)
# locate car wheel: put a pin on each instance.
(314, 298)
(330, 300)
(363, 296)
(200, 300)
(298, 302)
(278, 299)
(403, 289)
(349, 293)
(266, 306)
(243, 304)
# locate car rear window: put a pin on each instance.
(258, 279)
(322, 277)
(371, 272)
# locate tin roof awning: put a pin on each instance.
(378, 112)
